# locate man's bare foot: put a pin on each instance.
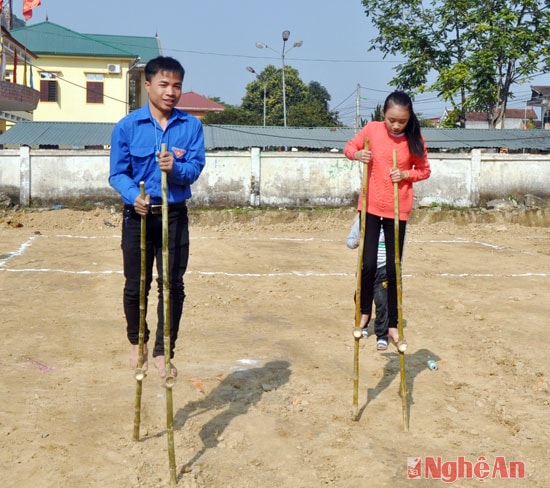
(159, 364)
(365, 318)
(134, 357)
(393, 335)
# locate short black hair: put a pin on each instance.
(163, 63)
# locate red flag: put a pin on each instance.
(28, 5)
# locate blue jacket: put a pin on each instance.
(134, 143)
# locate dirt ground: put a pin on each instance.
(265, 390)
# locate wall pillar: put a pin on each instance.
(255, 173)
(475, 176)
(25, 176)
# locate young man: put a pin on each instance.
(136, 156)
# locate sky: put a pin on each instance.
(215, 40)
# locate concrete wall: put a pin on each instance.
(291, 179)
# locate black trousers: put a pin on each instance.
(370, 255)
(178, 257)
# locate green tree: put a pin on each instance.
(253, 101)
(320, 115)
(306, 105)
(451, 120)
(232, 115)
(477, 49)
(377, 114)
(424, 122)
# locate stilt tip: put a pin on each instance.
(169, 382)
(139, 374)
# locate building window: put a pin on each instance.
(48, 87)
(94, 88)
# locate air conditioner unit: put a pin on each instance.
(113, 68)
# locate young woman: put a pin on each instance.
(400, 132)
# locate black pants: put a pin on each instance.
(178, 256)
(370, 255)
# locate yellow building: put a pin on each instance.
(84, 77)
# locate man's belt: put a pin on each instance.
(157, 209)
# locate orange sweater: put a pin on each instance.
(380, 186)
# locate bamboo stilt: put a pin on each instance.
(139, 373)
(169, 380)
(357, 333)
(401, 343)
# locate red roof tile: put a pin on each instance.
(193, 102)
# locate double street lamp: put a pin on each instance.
(263, 45)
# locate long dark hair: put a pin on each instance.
(412, 129)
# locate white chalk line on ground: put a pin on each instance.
(303, 274)
(28, 242)
(25, 245)
(69, 236)
(65, 271)
(458, 240)
(314, 274)
(19, 251)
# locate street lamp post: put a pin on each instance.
(263, 45)
(251, 69)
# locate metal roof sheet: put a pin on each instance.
(513, 139)
(62, 134)
(47, 38)
(145, 47)
(82, 134)
(244, 136)
(236, 136)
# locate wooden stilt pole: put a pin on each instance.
(169, 379)
(401, 346)
(139, 373)
(357, 333)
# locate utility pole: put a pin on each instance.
(357, 121)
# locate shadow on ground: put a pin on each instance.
(415, 363)
(234, 396)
